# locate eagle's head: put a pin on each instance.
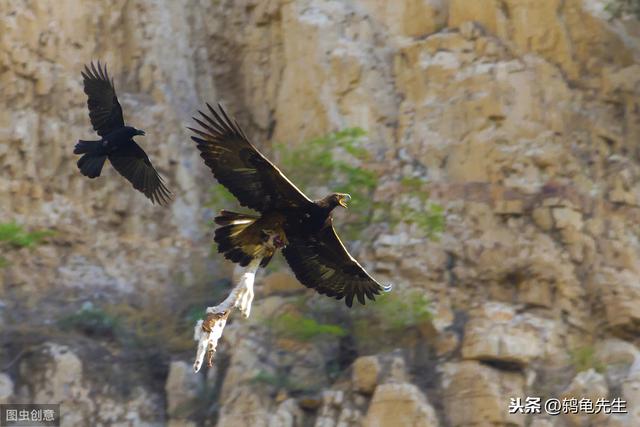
(334, 200)
(343, 199)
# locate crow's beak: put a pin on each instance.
(140, 132)
(344, 199)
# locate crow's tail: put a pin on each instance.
(91, 165)
(93, 160)
(83, 147)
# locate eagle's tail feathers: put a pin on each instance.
(235, 238)
(232, 218)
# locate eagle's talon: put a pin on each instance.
(244, 300)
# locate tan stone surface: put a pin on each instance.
(183, 388)
(591, 385)
(495, 332)
(620, 293)
(631, 393)
(476, 394)
(366, 371)
(399, 404)
(56, 374)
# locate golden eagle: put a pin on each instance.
(288, 219)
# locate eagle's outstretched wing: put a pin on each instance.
(133, 163)
(256, 182)
(104, 109)
(321, 262)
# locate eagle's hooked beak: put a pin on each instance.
(344, 198)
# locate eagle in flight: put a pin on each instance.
(287, 219)
(116, 143)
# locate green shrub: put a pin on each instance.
(14, 235)
(91, 321)
(302, 328)
(395, 316)
(395, 313)
(398, 312)
(584, 358)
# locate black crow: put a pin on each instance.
(117, 142)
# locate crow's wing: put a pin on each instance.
(321, 262)
(255, 181)
(133, 163)
(104, 109)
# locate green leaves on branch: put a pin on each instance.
(302, 328)
(14, 236)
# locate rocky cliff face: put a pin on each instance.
(522, 115)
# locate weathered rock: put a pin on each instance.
(396, 371)
(413, 18)
(475, 394)
(6, 389)
(591, 385)
(245, 407)
(399, 404)
(366, 371)
(537, 422)
(337, 410)
(56, 374)
(183, 388)
(631, 394)
(620, 293)
(59, 375)
(496, 333)
(616, 357)
(287, 414)
(181, 423)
